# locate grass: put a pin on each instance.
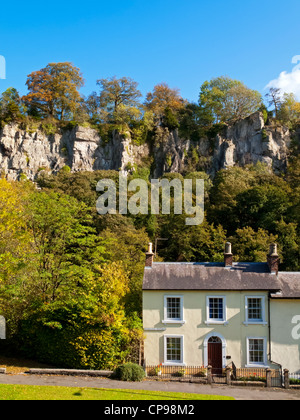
(30, 392)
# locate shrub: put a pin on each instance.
(130, 372)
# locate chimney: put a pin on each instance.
(273, 259)
(149, 256)
(228, 256)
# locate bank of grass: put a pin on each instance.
(32, 392)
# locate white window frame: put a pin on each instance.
(174, 362)
(219, 321)
(263, 311)
(173, 320)
(257, 365)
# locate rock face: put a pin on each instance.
(248, 141)
(81, 149)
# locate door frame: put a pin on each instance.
(224, 346)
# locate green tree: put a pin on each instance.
(65, 244)
(251, 245)
(117, 95)
(289, 244)
(123, 242)
(201, 243)
(262, 206)
(289, 111)
(11, 106)
(227, 100)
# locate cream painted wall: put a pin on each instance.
(285, 334)
(195, 330)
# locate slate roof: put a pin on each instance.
(214, 276)
(290, 286)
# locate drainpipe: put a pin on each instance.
(269, 326)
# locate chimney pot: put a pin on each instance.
(228, 248)
(149, 256)
(273, 250)
(273, 259)
(228, 256)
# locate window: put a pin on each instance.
(174, 349)
(256, 351)
(255, 310)
(216, 309)
(173, 309)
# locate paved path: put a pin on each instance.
(239, 393)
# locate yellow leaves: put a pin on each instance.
(12, 221)
(164, 97)
(114, 282)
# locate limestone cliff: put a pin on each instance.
(82, 149)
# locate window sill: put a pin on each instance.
(154, 329)
(175, 364)
(257, 366)
(180, 322)
(263, 323)
(216, 323)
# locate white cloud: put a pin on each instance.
(287, 82)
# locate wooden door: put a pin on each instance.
(215, 355)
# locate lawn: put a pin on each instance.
(26, 392)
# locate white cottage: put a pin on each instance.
(217, 314)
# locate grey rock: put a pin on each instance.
(247, 142)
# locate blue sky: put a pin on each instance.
(181, 42)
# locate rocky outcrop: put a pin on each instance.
(249, 142)
(82, 149)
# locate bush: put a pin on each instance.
(130, 372)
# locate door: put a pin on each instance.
(215, 355)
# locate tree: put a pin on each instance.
(274, 97)
(251, 196)
(227, 100)
(117, 94)
(164, 101)
(289, 110)
(200, 243)
(263, 205)
(11, 106)
(241, 103)
(53, 90)
(125, 243)
(65, 245)
(250, 245)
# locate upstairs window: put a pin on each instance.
(255, 310)
(216, 309)
(173, 309)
